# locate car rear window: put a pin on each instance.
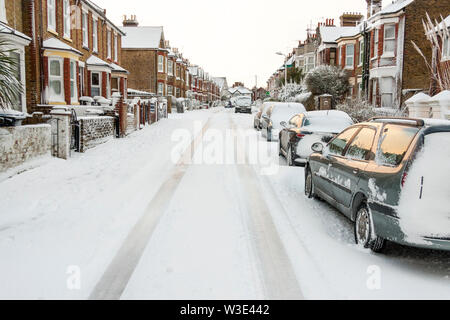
(394, 143)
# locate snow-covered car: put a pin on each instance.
(386, 176)
(263, 111)
(303, 130)
(243, 104)
(276, 114)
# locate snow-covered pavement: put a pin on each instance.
(127, 221)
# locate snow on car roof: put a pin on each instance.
(328, 113)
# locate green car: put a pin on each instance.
(382, 175)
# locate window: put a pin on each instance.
(84, 27)
(361, 53)
(160, 63)
(169, 90)
(338, 145)
(446, 48)
(116, 49)
(109, 44)
(160, 88)
(170, 68)
(375, 46)
(95, 35)
(66, 8)
(3, 11)
(81, 79)
(387, 92)
(361, 146)
(73, 82)
(332, 58)
(51, 15)
(310, 64)
(389, 39)
(17, 105)
(115, 85)
(374, 92)
(395, 142)
(350, 55)
(56, 82)
(95, 84)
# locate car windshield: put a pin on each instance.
(394, 143)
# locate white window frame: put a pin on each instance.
(99, 86)
(3, 11)
(160, 88)
(67, 18)
(95, 35)
(82, 71)
(160, 63)
(384, 92)
(361, 53)
(108, 44)
(85, 28)
(116, 49)
(376, 42)
(51, 13)
(170, 68)
(73, 81)
(348, 56)
(169, 90)
(391, 39)
(446, 48)
(53, 97)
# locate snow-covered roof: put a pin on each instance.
(350, 32)
(55, 44)
(96, 61)
(118, 68)
(142, 37)
(139, 92)
(241, 90)
(220, 81)
(331, 34)
(394, 7)
(7, 29)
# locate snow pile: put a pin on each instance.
(424, 207)
(284, 112)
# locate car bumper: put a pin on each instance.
(244, 109)
(387, 226)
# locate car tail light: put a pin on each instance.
(404, 177)
(302, 134)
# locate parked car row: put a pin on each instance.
(381, 174)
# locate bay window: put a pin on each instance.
(51, 15)
(160, 63)
(56, 80)
(96, 84)
(3, 11)
(116, 50)
(81, 79)
(109, 44)
(170, 91)
(170, 68)
(17, 104)
(350, 55)
(375, 46)
(95, 35)
(73, 82)
(84, 27)
(160, 88)
(389, 39)
(387, 92)
(66, 9)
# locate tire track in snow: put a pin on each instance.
(116, 277)
(279, 279)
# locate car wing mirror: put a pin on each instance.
(317, 147)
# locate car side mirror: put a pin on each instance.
(317, 147)
(283, 124)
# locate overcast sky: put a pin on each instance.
(233, 38)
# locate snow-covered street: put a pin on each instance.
(126, 221)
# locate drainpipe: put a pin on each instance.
(366, 65)
(41, 51)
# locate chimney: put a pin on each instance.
(373, 7)
(130, 22)
(351, 19)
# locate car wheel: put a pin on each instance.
(309, 185)
(364, 234)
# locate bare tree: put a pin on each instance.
(436, 33)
